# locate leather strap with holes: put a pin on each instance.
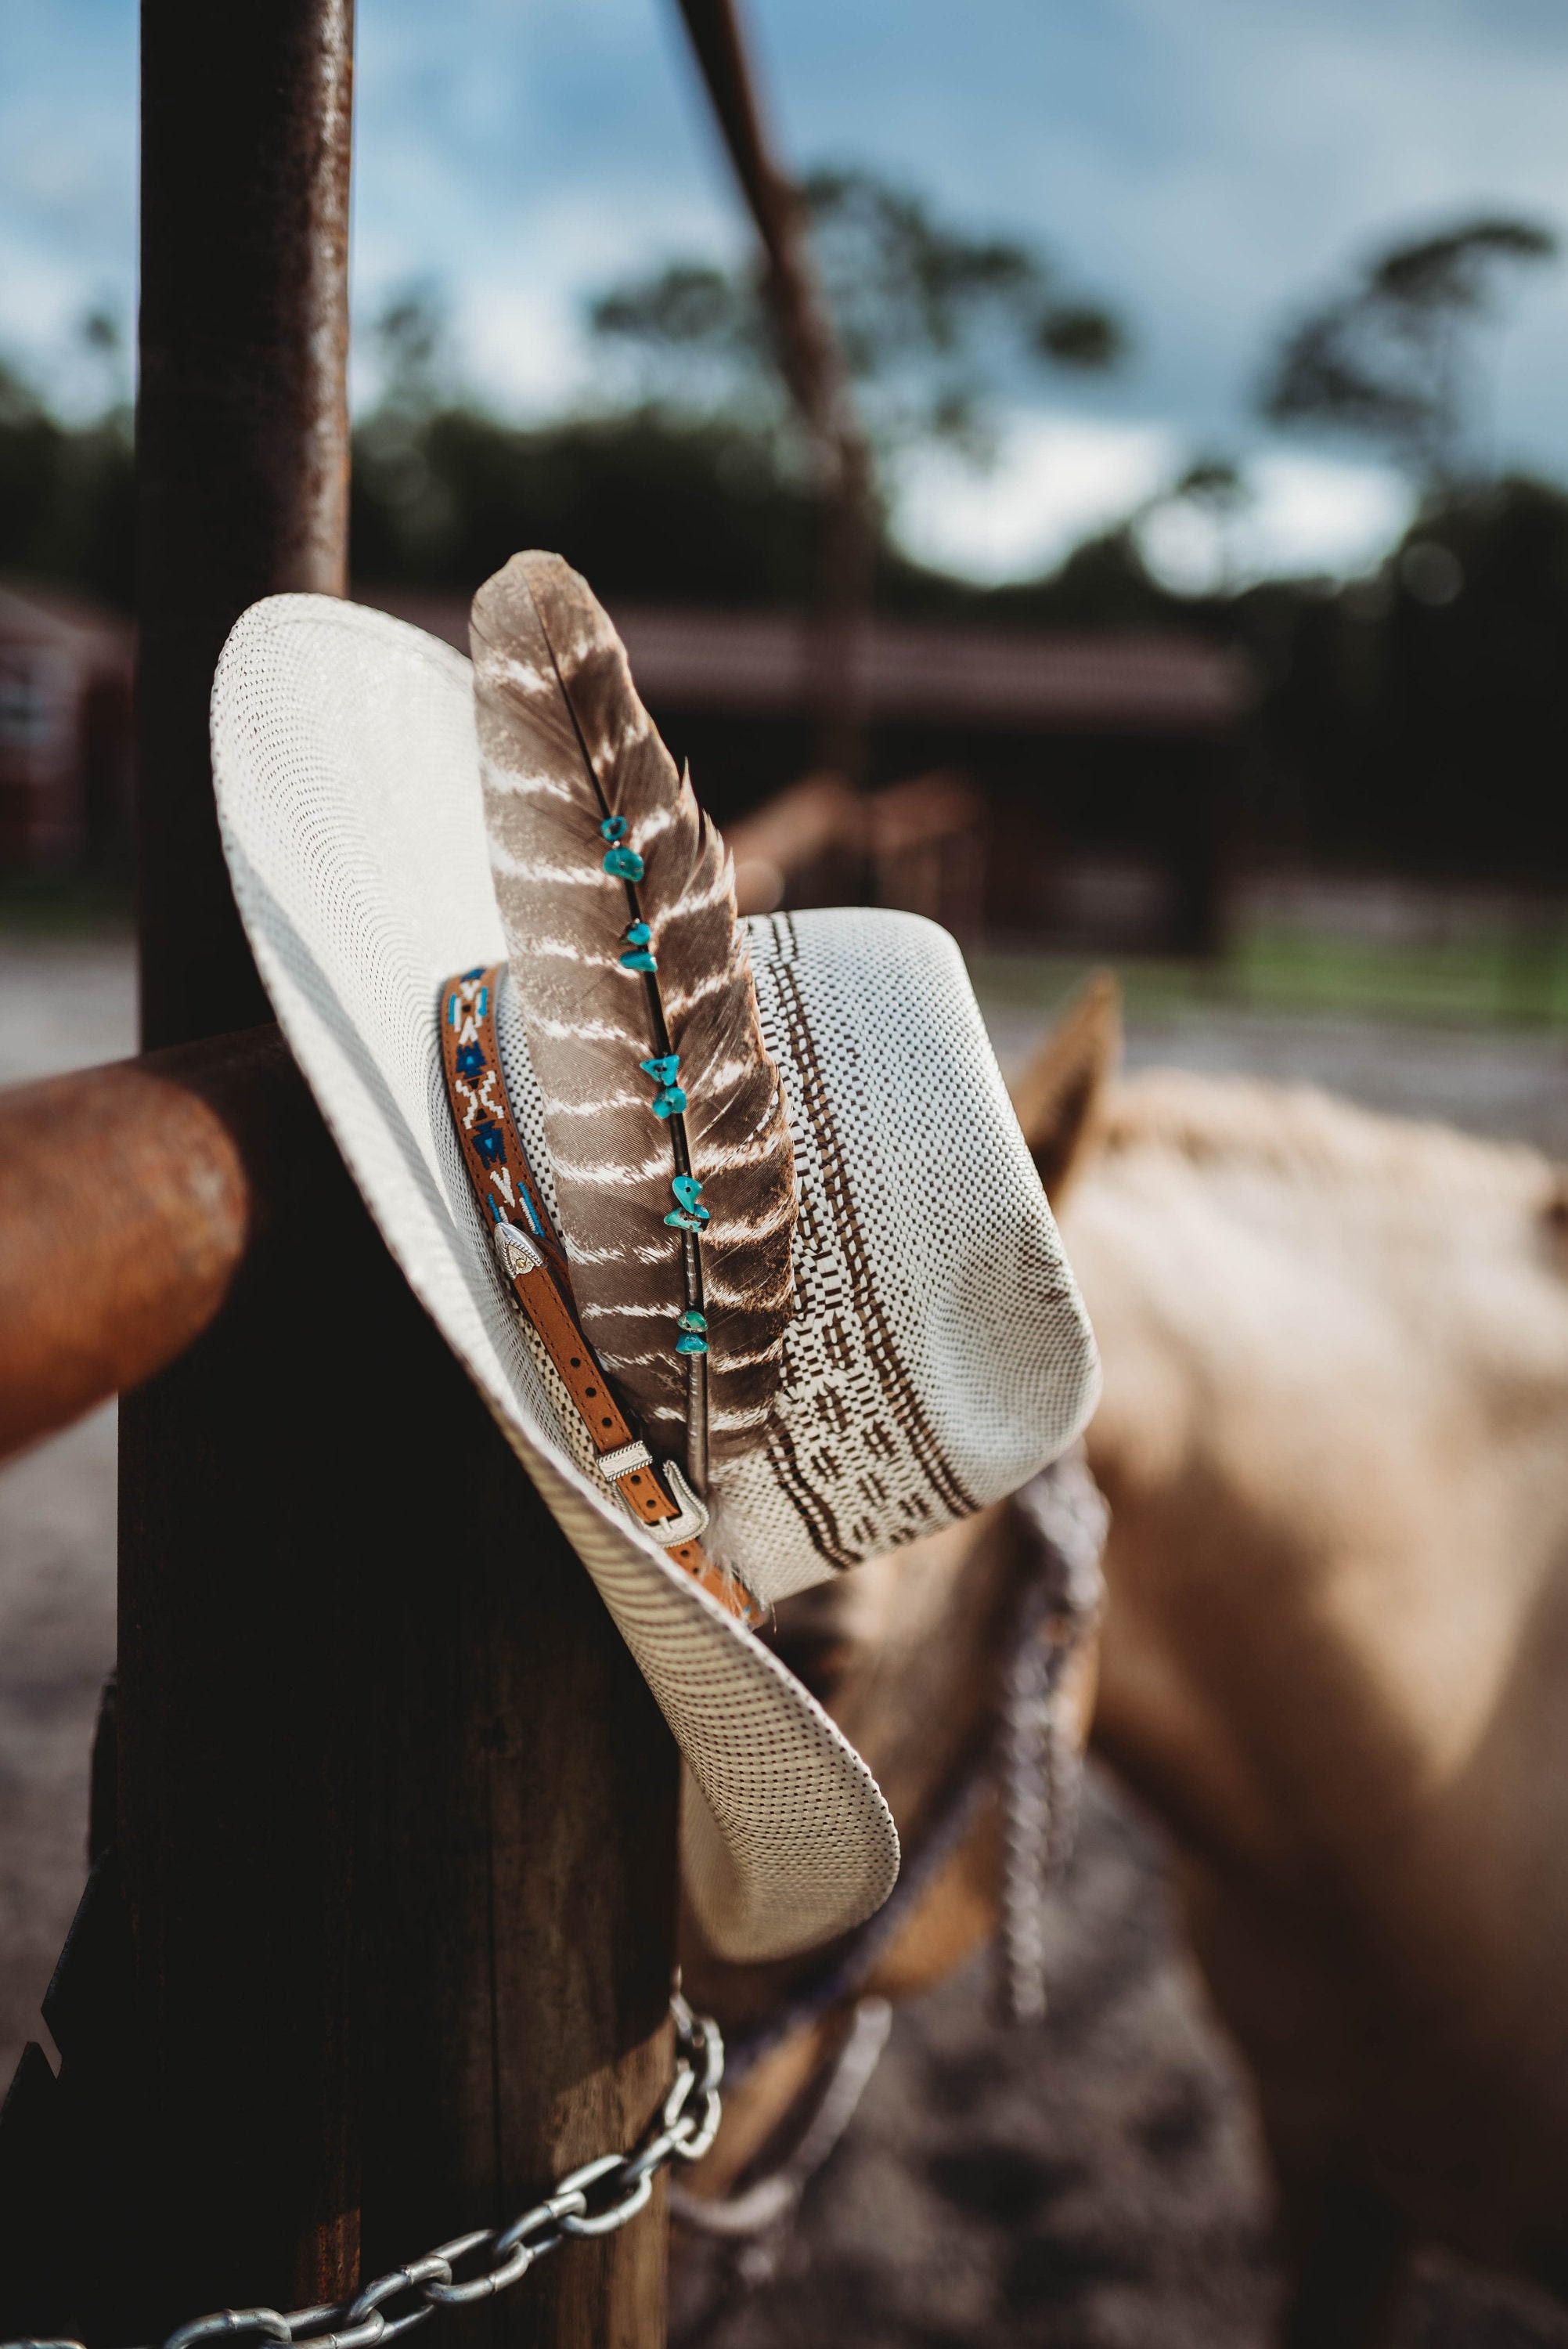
(533, 1264)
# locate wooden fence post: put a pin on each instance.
(386, 1939)
(397, 1813)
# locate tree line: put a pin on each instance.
(1416, 719)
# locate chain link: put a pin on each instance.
(597, 2199)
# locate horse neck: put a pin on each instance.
(1334, 1438)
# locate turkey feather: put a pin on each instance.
(664, 1115)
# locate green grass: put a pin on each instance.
(74, 905)
(1514, 978)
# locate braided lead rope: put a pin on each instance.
(760, 2215)
(1026, 1751)
(597, 2199)
(1035, 1757)
(1064, 1520)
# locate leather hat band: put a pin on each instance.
(533, 1264)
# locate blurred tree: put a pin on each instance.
(67, 497)
(933, 322)
(1393, 358)
(1467, 724)
(1104, 584)
(411, 338)
(402, 514)
(1190, 530)
(1211, 483)
(101, 335)
(100, 331)
(644, 505)
(1417, 721)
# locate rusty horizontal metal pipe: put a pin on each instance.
(128, 1197)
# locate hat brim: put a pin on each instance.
(349, 797)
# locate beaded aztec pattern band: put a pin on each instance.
(534, 1266)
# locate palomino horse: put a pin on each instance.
(1334, 1443)
(1335, 1439)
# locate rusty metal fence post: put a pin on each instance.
(381, 1939)
(814, 366)
(241, 427)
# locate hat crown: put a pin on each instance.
(938, 1352)
(350, 805)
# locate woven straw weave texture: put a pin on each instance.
(938, 1354)
(348, 795)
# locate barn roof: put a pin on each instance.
(1018, 679)
(52, 619)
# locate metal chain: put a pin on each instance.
(757, 2218)
(1065, 1517)
(595, 2199)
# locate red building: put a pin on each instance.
(65, 729)
(1076, 789)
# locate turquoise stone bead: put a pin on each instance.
(680, 1221)
(687, 1189)
(624, 864)
(613, 828)
(639, 935)
(691, 1345)
(670, 1103)
(697, 1321)
(639, 960)
(664, 1070)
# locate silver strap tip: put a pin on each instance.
(518, 1251)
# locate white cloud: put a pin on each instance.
(522, 350)
(1055, 481)
(529, 269)
(1058, 480)
(1206, 165)
(1301, 516)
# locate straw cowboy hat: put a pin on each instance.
(731, 1224)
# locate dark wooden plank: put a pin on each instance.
(386, 1936)
(34, 2217)
(397, 1812)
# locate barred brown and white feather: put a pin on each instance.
(566, 744)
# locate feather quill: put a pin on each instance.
(576, 775)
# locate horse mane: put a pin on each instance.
(1301, 1133)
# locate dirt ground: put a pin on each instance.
(1095, 2182)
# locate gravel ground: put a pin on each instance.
(1096, 2182)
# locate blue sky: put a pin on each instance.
(1205, 165)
